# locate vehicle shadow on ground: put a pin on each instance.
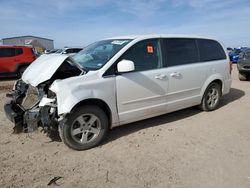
(124, 130)
(234, 95)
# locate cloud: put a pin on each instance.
(208, 4)
(80, 22)
(140, 8)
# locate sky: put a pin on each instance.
(81, 22)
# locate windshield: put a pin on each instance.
(96, 55)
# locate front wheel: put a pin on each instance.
(242, 76)
(85, 128)
(211, 97)
(21, 71)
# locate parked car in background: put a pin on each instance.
(234, 55)
(243, 65)
(15, 59)
(229, 50)
(117, 81)
(68, 51)
(50, 51)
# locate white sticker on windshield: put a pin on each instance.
(119, 42)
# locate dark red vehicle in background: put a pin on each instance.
(15, 59)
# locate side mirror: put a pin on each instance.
(125, 66)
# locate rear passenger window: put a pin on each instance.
(7, 52)
(180, 51)
(146, 55)
(1, 52)
(210, 50)
(19, 51)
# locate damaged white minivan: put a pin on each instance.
(117, 81)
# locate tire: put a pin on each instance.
(242, 76)
(21, 71)
(211, 98)
(84, 128)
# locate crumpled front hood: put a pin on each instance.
(42, 69)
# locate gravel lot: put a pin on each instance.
(188, 148)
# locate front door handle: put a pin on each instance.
(160, 76)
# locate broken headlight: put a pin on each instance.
(31, 98)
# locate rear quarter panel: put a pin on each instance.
(218, 70)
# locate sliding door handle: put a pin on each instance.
(176, 75)
(160, 76)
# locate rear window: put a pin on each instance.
(210, 50)
(7, 52)
(180, 51)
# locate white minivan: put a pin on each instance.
(117, 81)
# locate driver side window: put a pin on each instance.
(146, 55)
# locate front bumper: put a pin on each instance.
(30, 120)
(13, 112)
(28, 108)
(244, 68)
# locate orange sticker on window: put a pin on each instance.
(150, 49)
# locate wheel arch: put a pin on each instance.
(215, 78)
(20, 65)
(218, 81)
(95, 102)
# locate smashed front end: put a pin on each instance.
(31, 107)
(31, 104)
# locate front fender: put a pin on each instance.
(72, 91)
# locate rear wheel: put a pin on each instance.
(85, 128)
(21, 71)
(211, 98)
(242, 76)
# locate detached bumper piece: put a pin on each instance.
(15, 114)
(29, 120)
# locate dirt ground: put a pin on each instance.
(188, 148)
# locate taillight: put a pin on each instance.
(230, 67)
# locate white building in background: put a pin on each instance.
(39, 43)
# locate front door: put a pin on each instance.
(142, 93)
